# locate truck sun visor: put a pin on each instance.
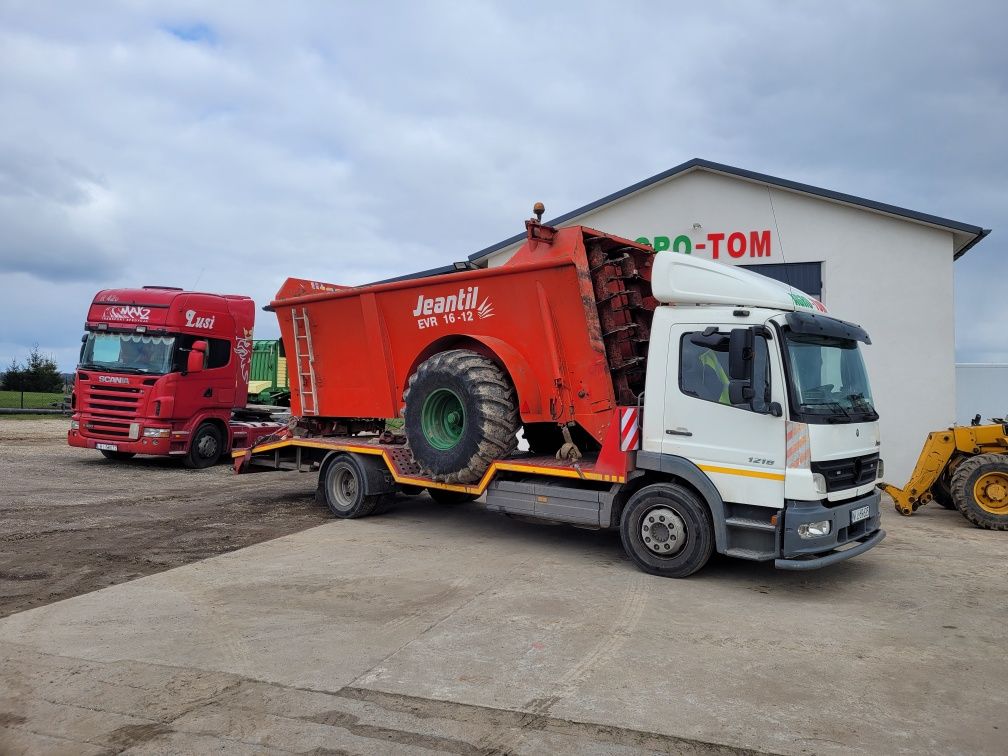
(822, 325)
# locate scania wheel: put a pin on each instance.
(666, 530)
(206, 447)
(461, 413)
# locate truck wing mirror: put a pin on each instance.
(194, 360)
(740, 366)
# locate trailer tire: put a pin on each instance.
(451, 497)
(667, 530)
(206, 447)
(344, 489)
(980, 490)
(117, 456)
(461, 414)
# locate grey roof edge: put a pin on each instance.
(420, 274)
(850, 199)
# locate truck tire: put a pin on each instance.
(206, 447)
(344, 489)
(461, 414)
(117, 456)
(666, 530)
(980, 490)
(451, 497)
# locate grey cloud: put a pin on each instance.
(204, 144)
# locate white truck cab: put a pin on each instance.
(760, 394)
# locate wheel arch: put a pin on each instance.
(375, 473)
(510, 360)
(668, 468)
(222, 427)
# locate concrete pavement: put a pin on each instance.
(460, 631)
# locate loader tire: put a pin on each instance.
(461, 414)
(980, 490)
(942, 492)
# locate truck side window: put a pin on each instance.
(703, 372)
(219, 353)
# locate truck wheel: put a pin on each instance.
(666, 530)
(461, 414)
(980, 490)
(344, 489)
(206, 447)
(451, 497)
(117, 456)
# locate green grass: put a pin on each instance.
(32, 399)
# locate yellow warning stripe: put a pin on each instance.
(744, 473)
(426, 483)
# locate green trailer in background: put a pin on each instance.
(268, 382)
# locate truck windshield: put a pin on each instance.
(127, 352)
(829, 380)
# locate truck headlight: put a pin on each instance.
(819, 481)
(156, 432)
(814, 529)
(74, 425)
(881, 469)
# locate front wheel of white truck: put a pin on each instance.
(666, 530)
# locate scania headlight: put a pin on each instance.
(814, 529)
(819, 481)
(156, 432)
(74, 425)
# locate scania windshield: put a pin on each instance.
(829, 383)
(127, 352)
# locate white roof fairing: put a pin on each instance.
(684, 279)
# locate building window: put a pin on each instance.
(805, 276)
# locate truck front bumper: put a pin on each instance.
(142, 445)
(845, 539)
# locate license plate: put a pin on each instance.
(107, 447)
(861, 513)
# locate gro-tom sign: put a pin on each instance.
(733, 244)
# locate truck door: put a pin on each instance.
(741, 448)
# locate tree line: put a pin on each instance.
(38, 373)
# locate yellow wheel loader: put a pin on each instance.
(964, 468)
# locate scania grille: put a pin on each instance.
(110, 410)
(841, 474)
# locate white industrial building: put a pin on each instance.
(887, 268)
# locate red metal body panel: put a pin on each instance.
(115, 408)
(541, 316)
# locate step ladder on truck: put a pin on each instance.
(693, 406)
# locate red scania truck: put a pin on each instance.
(693, 406)
(165, 372)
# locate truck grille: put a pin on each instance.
(109, 410)
(841, 474)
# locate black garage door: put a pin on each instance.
(806, 276)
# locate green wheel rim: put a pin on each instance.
(442, 419)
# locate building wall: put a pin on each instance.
(892, 276)
(981, 389)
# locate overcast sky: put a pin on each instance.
(220, 146)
